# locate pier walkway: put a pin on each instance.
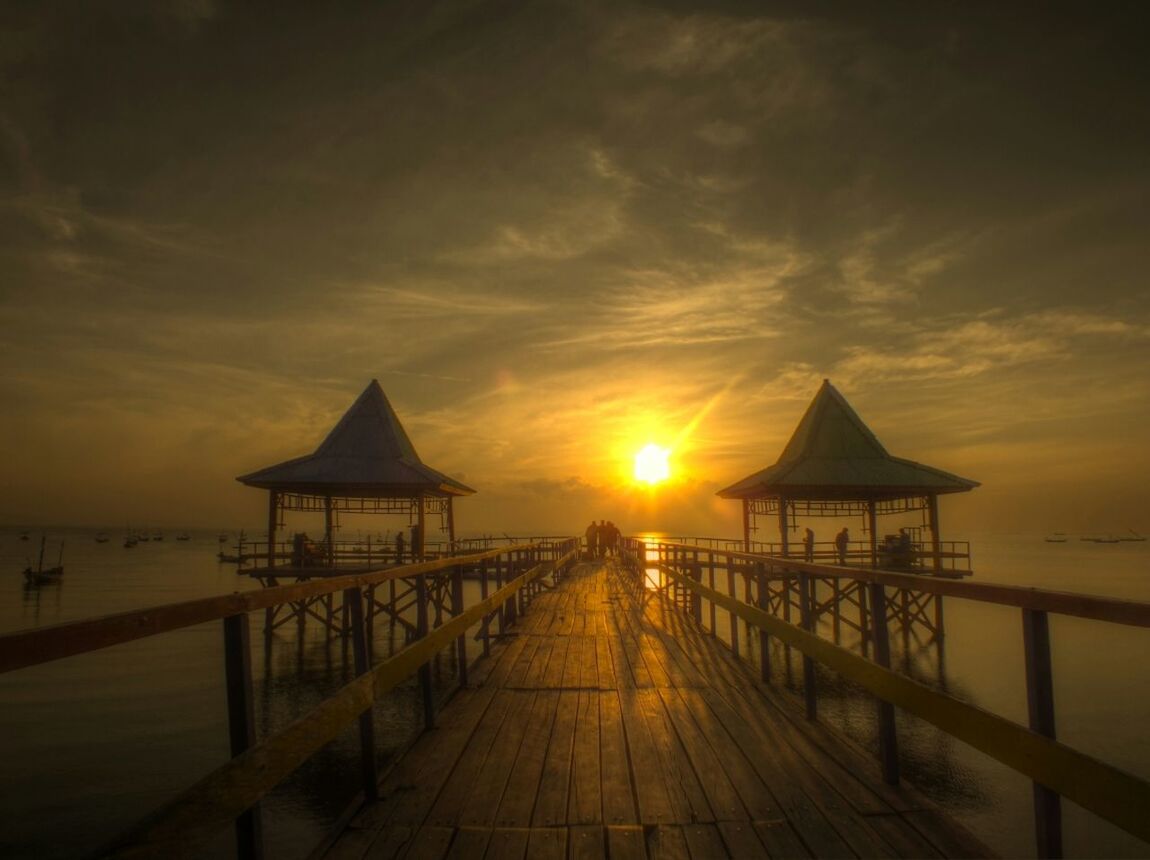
(609, 724)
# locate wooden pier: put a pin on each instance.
(610, 725)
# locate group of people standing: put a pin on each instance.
(842, 541)
(602, 539)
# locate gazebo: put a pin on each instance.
(366, 465)
(834, 466)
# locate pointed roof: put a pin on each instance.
(368, 453)
(834, 455)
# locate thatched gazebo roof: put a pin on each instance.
(834, 455)
(368, 454)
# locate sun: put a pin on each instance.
(651, 466)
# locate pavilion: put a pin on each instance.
(366, 465)
(834, 466)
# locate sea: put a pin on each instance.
(91, 744)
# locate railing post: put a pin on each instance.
(1040, 705)
(242, 724)
(457, 609)
(711, 582)
(483, 589)
(887, 736)
(421, 630)
(764, 638)
(806, 618)
(361, 649)
(734, 619)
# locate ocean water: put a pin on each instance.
(92, 743)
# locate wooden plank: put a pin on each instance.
(573, 665)
(352, 844)
(901, 836)
(950, 839)
(655, 804)
(391, 842)
(668, 842)
(469, 842)
(459, 786)
(586, 801)
(686, 793)
(508, 843)
(430, 843)
(547, 843)
(519, 797)
(712, 773)
(615, 763)
(486, 791)
(629, 649)
(586, 842)
(781, 840)
(589, 664)
(704, 841)
(551, 803)
(626, 842)
(740, 841)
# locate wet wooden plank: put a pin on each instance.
(586, 801)
(722, 798)
(655, 804)
(486, 791)
(615, 765)
(586, 842)
(688, 798)
(519, 797)
(554, 784)
(572, 667)
(547, 843)
(626, 842)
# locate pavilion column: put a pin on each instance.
(935, 544)
(328, 530)
(746, 525)
(451, 525)
(872, 523)
(421, 539)
(273, 525)
(783, 526)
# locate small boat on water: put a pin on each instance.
(102, 537)
(1134, 537)
(41, 575)
(130, 542)
(222, 537)
(183, 536)
(1056, 537)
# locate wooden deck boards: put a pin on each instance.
(610, 725)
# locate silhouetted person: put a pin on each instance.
(841, 541)
(592, 535)
(399, 546)
(809, 545)
(612, 539)
(602, 532)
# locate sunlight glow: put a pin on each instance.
(651, 464)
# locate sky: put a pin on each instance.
(556, 232)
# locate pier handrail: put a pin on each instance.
(230, 793)
(1057, 770)
(36, 645)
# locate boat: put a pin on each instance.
(41, 575)
(222, 537)
(102, 537)
(1057, 537)
(158, 536)
(130, 542)
(183, 536)
(23, 535)
(1134, 537)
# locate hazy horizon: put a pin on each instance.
(560, 232)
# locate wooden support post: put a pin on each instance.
(329, 530)
(242, 723)
(421, 630)
(935, 543)
(734, 619)
(872, 524)
(764, 639)
(711, 582)
(864, 625)
(939, 619)
(1040, 706)
(887, 736)
(273, 526)
(786, 588)
(696, 600)
(361, 649)
(746, 525)
(783, 536)
(483, 588)
(457, 609)
(450, 525)
(837, 616)
(417, 545)
(810, 691)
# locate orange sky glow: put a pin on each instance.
(560, 233)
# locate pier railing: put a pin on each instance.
(230, 794)
(767, 583)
